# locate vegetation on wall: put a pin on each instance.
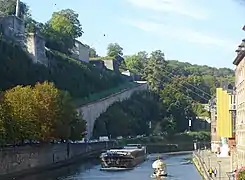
(39, 113)
(78, 78)
(178, 138)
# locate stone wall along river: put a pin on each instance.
(19, 159)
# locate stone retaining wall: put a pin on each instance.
(90, 112)
(17, 159)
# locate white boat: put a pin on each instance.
(160, 169)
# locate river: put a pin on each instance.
(90, 171)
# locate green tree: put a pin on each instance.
(154, 71)
(62, 30)
(69, 124)
(168, 125)
(114, 49)
(177, 105)
(134, 64)
(47, 109)
(66, 22)
(133, 116)
(32, 26)
(92, 53)
(8, 7)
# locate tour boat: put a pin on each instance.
(160, 169)
(123, 159)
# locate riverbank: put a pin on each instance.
(30, 159)
(178, 142)
(204, 159)
(200, 167)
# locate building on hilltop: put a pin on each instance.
(239, 62)
(111, 63)
(12, 28)
(80, 52)
(133, 76)
(225, 100)
(98, 63)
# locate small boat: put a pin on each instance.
(186, 162)
(123, 159)
(160, 169)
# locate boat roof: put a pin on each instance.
(122, 150)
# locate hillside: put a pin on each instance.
(199, 81)
(186, 69)
(78, 78)
(179, 91)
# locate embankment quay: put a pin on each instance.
(26, 160)
(30, 159)
(204, 160)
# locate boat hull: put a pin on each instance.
(115, 169)
(122, 159)
(131, 163)
(160, 176)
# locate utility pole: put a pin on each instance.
(17, 9)
(209, 161)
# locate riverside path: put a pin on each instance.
(222, 164)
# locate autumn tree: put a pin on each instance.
(2, 121)
(19, 101)
(46, 98)
(41, 113)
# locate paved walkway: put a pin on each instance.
(222, 164)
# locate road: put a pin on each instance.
(90, 171)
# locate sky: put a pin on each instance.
(205, 32)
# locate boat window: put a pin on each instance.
(139, 146)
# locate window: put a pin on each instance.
(214, 130)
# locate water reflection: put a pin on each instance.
(90, 170)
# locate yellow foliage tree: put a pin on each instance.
(19, 101)
(2, 120)
(41, 113)
(46, 98)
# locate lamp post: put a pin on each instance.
(219, 169)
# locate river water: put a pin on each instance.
(176, 168)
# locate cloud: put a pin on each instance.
(185, 34)
(181, 7)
